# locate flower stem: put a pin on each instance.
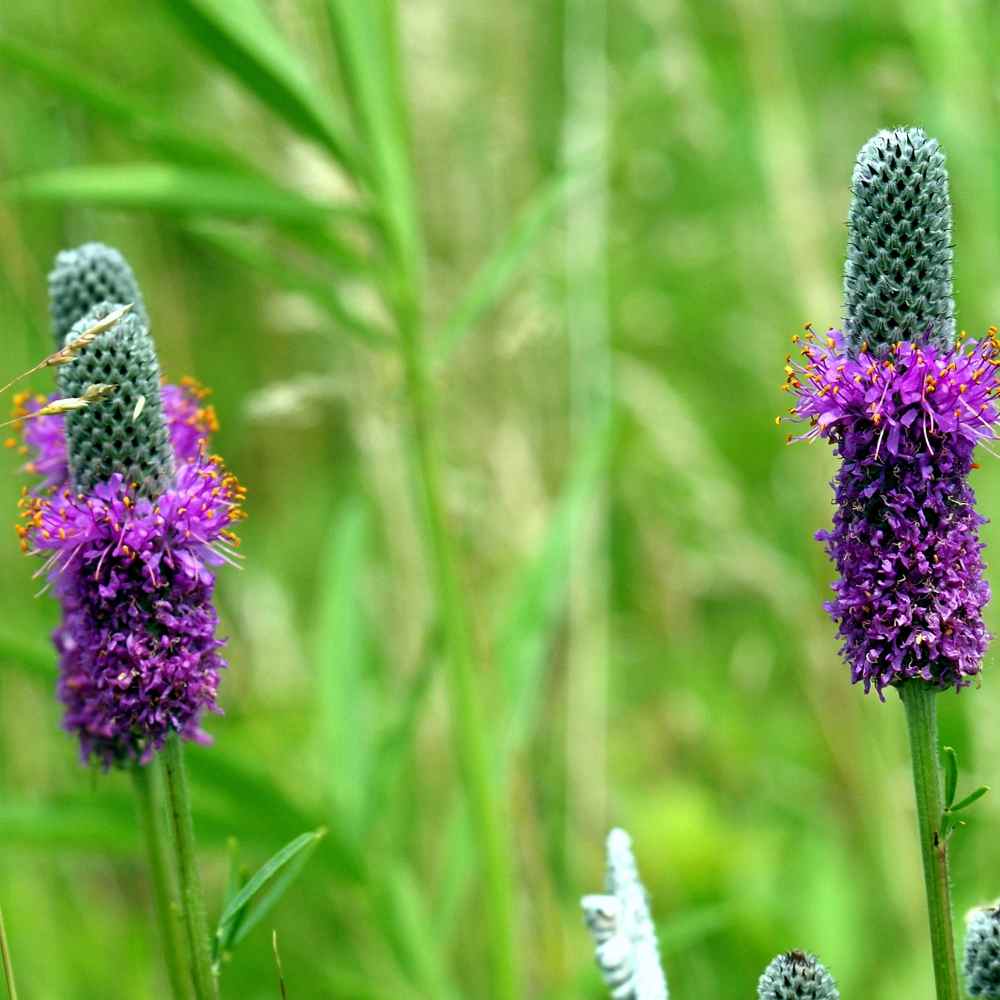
(148, 794)
(192, 898)
(921, 721)
(6, 963)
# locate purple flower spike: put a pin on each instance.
(905, 536)
(137, 644)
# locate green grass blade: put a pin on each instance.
(496, 274)
(539, 596)
(142, 122)
(269, 898)
(239, 35)
(170, 188)
(33, 658)
(410, 931)
(242, 247)
(365, 39)
(341, 662)
(263, 875)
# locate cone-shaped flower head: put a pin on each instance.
(905, 538)
(982, 953)
(127, 434)
(132, 516)
(627, 951)
(897, 279)
(85, 277)
(796, 976)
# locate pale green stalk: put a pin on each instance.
(921, 721)
(6, 963)
(192, 897)
(148, 796)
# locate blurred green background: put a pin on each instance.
(620, 212)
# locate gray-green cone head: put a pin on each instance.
(126, 433)
(86, 276)
(897, 278)
(982, 953)
(796, 976)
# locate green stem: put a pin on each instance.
(472, 745)
(6, 963)
(148, 796)
(192, 898)
(921, 721)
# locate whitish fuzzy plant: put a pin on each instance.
(982, 953)
(627, 951)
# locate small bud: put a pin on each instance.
(795, 976)
(84, 277)
(982, 953)
(897, 277)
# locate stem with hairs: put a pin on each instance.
(921, 721)
(6, 963)
(192, 897)
(148, 794)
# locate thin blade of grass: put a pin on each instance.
(239, 36)
(243, 248)
(142, 122)
(410, 930)
(263, 875)
(523, 639)
(257, 806)
(495, 275)
(33, 658)
(170, 188)
(365, 39)
(344, 695)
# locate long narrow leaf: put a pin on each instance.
(170, 188)
(32, 657)
(496, 274)
(365, 39)
(263, 875)
(340, 658)
(241, 246)
(239, 35)
(144, 123)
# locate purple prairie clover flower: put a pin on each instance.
(137, 643)
(905, 535)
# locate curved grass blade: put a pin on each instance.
(33, 658)
(143, 122)
(242, 248)
(239, 36)
(257, 881)
(496, 273)
(365, 38)
(170, 188)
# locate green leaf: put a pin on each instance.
(171, 188)
(344, 694)
(970, 799)
(366, 39)
(410, 930)
(496, 274)
(257, 806)
(240, 37)
(950, 776)
(144, 123)
(262, 876)
(528, 625)
(32, 657)
(242, 247)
